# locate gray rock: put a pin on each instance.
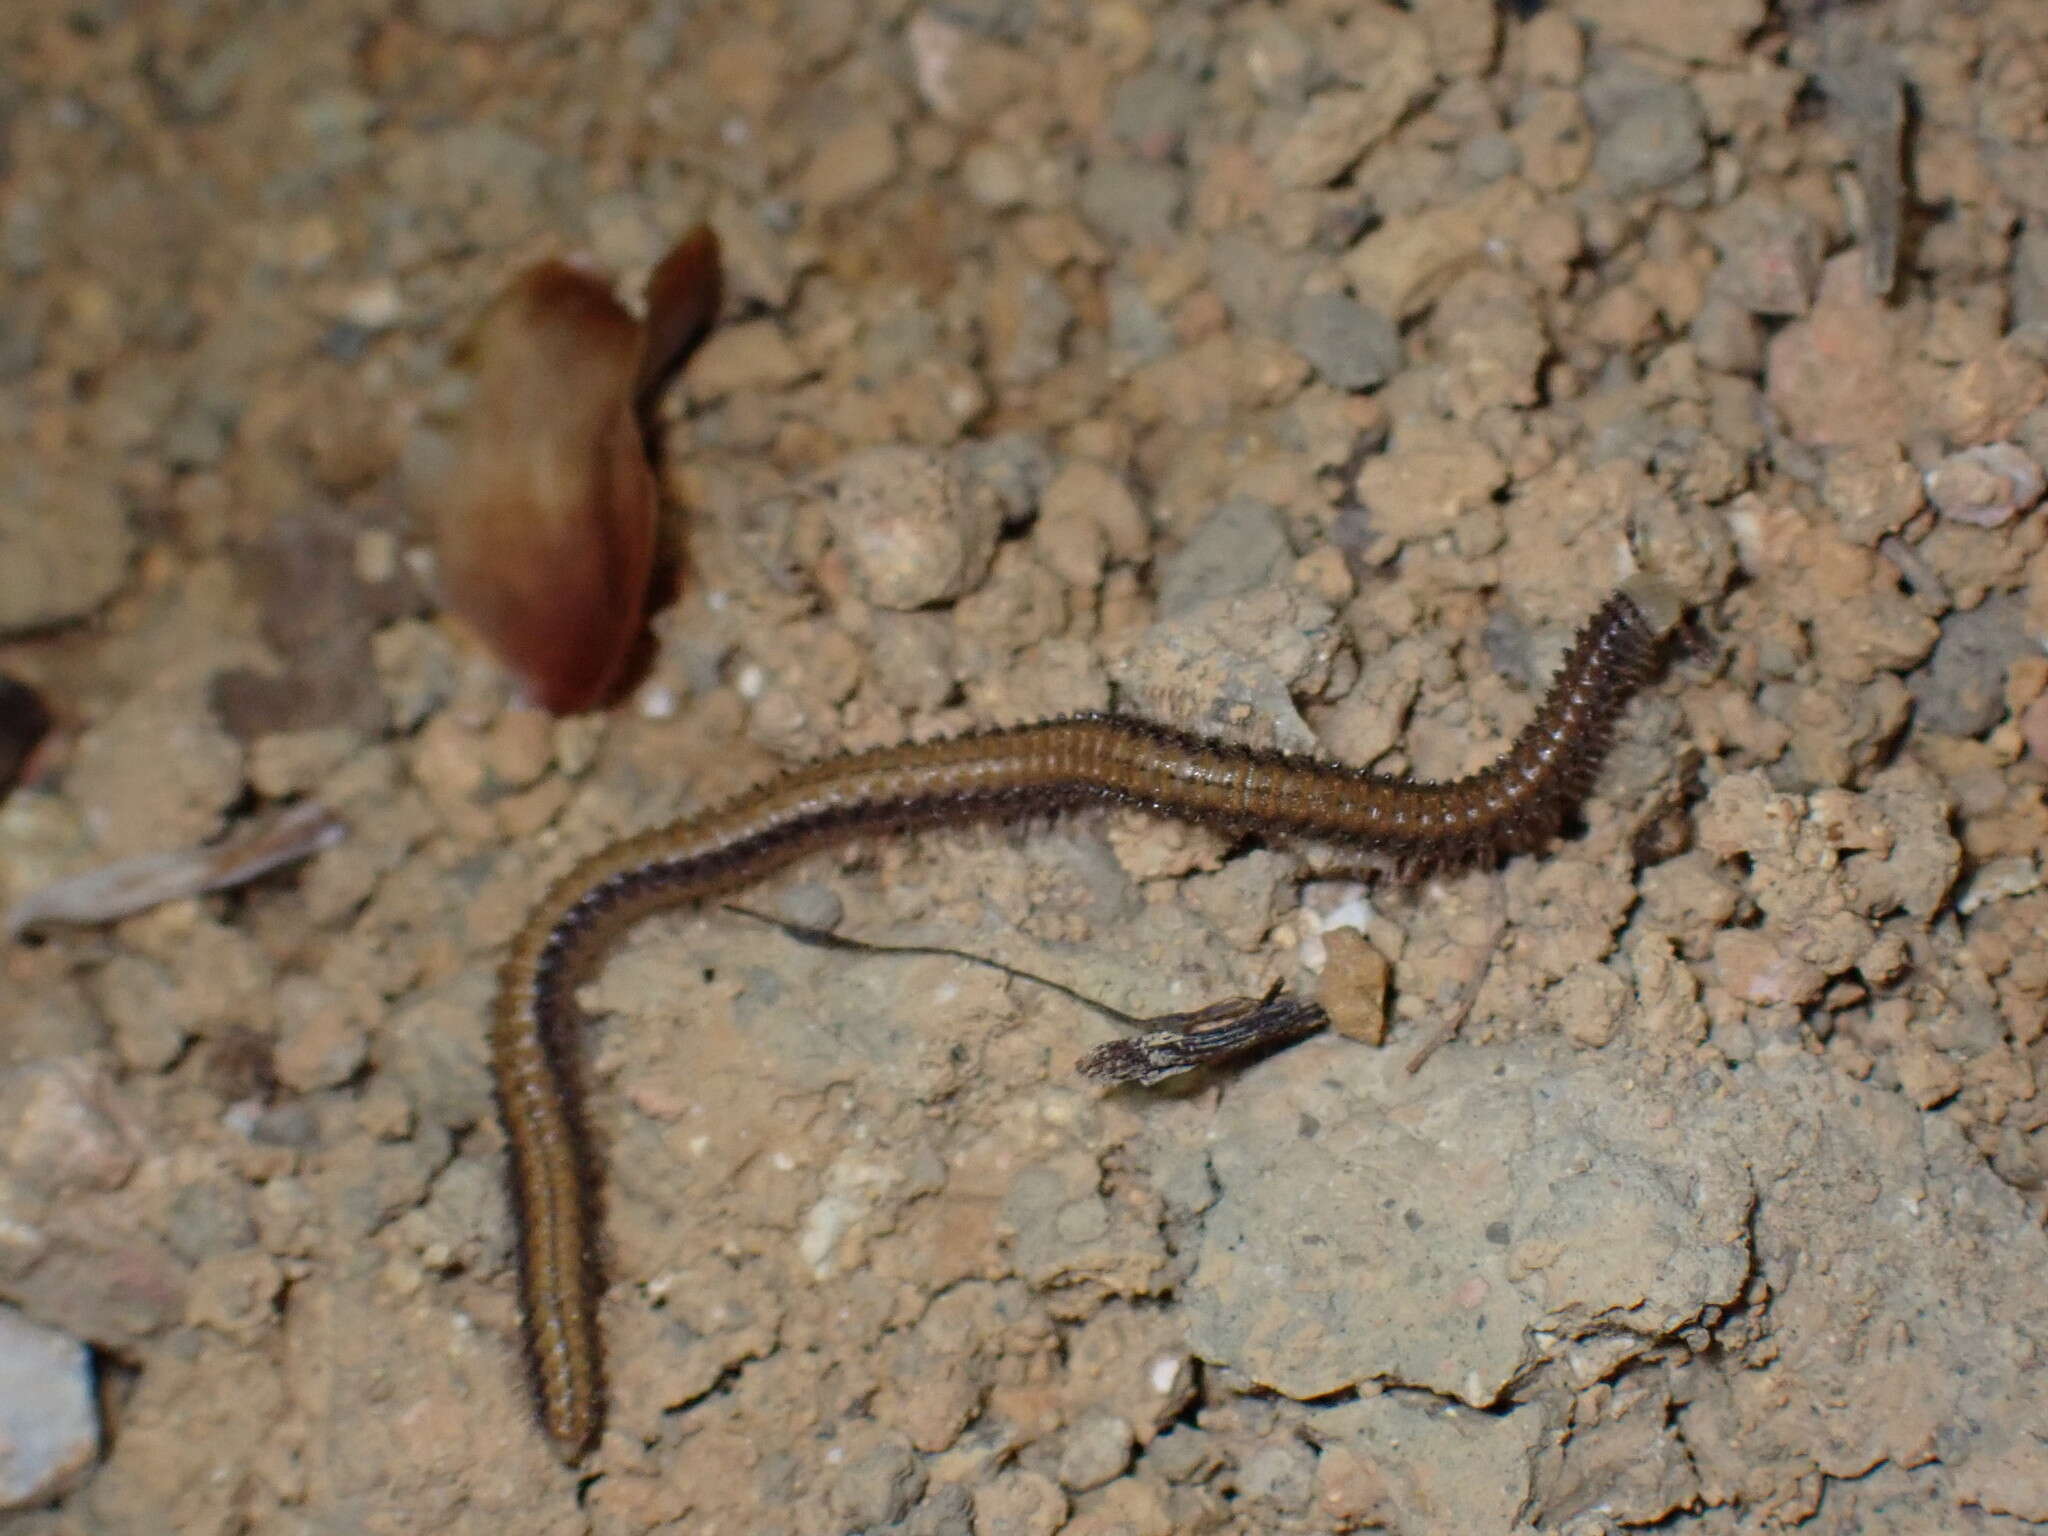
(1488, 157)
(1016, 467)
(68, 544)
(1241, 548)
(880, 1487)
(1138, 333)
(1349, 345)
(912, 528)
(1770, 255)
(1652, 131)
(1960, 689)
(486, 18)
(1151, 111)
(1097, 1449)
(1522, 1218)
(1255, 282)
(1282, 1474)
(49, 1415)
(1133, 202)
(1007, 21)
(947, 1510)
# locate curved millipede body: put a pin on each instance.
(1021, 771)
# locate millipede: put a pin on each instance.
(1515, 804)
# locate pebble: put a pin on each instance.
(1152, 110)
(1098, 1448)
(49, 1413)
(1348, 344)
(1961, 688)
(995, 176)
(1132, 202)
(1400, 267)
(911, 526)
(1652, 132)
(1987, 486)
(1138, 333)
(752, 355)
(858, 159)
(1770, 255)
(1353, 989)
(1282, 1475)
(1016, 467)
(322, 1045)
(880, 1487)
(68, 547)
(1240, 548)
(497, 19)
(1019, 1504)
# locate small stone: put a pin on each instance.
(751, 355)
(1240, 548)
(1353, 990)
(1835, 375)
(947, 1510)
(1759, 968)
(1961, 689)
(1770, 255)
(1987, 486)
(1282, 1475)
(1019, 1504)
(61, 1129)
(1652, 132)
(1417, 493)
(1277, 57)
(49, 1413)
(995, 176)
(911, 528)
(1088, 515)
(880, 1487)
(858, 159)
(1872, 491)
(1697, 31)
(810, 904)
(1334, 131)
(1927, 1076)
(1553, 140)
(496, 19)
(1727, 337)
(1553, 48)
(68, 545)
(322, 1045)
(1025, 321)
(1097, 1449)
(1587, 1005)
(1349, 345)
(235, 1294)
(1152, 110)
(2034, 727)
(1016, 467)
(1138, 333)
(140, 1000)
(1133, 202)
(1400, 267)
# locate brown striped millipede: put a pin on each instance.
(1018, 772)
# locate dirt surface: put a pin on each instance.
(1300, 372)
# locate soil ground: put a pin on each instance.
(1300, 372)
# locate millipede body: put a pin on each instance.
(1023, 771)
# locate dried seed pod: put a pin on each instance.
(546, 528)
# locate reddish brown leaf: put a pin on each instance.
(546, 528)
(683, 294)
